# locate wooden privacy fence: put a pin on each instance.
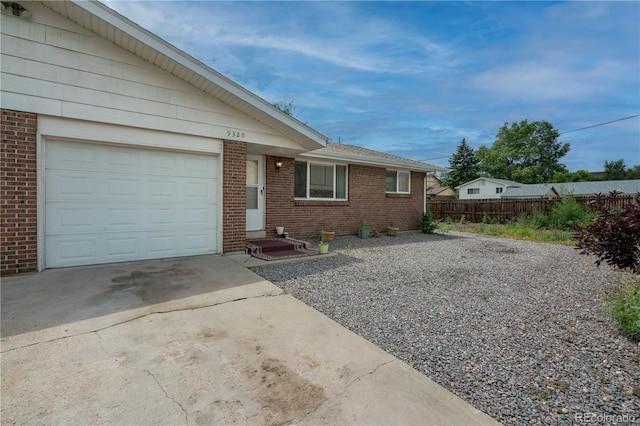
(502, 210)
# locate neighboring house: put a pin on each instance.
(555, 190)
(435, 190)
(484, 188)
(604, 187)
(542, 190)
(117, 146)
(498, 188)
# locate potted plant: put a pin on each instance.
(328, 235)
(392, 230)
(363, 229)
(323, 246)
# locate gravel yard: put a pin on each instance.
(515, 328)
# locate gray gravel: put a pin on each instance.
(514, 328)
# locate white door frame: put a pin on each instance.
(256, 217)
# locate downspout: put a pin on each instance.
(424, 193)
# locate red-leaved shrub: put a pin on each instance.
(614, 234)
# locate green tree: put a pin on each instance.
(614, 170)
(633, 173)
(464, 166)
(524, 152)
(577, 176)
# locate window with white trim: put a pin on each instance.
(498, 190)
(320, 181)
(398, 181)
(471, 191)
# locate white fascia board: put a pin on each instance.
(127, 26)
(368, 161)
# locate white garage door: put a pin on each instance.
(110, 204)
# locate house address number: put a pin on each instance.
(235, 134)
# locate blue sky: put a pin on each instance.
(414, 78)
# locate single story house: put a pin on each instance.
(539, 190)
(117, 146)
(488, 188)
(484, 188)
(435, 190)
(630, 186)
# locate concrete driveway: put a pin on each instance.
(198, 340)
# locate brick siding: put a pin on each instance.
(234, 213)
(367, 200)
(18, 192)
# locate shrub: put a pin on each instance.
(624, 306)
(567, 212)
(486, 218)
(614, 234)
(427, 225)
(536, 220)
(540, 220)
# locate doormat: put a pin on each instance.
(278, 248)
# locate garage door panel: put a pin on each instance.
(131, 204)
(196, 217)
(195, 165)
(122, 160)
(122, 247)
(122, 217)
(71, 251)
(162, 217)
(117, 188)
(197, 242)
(63, 185)
(71, 156)
(65, 218)
(163, 188)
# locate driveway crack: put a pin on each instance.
(147, 314)
(146, 371)
(346, 389)
(369, 373)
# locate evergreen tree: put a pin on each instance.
(464, 166)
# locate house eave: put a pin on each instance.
(368, 161)
(116, 28)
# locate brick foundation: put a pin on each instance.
(18, 192)
(367, 200)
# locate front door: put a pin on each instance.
(255, 193)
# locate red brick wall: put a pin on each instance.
(18, 192)
(234, 213)
(367, 200)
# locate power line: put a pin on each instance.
(600, 124)
(437, 158)
(564, 133)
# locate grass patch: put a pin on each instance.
(516, 230)
(624, 306)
